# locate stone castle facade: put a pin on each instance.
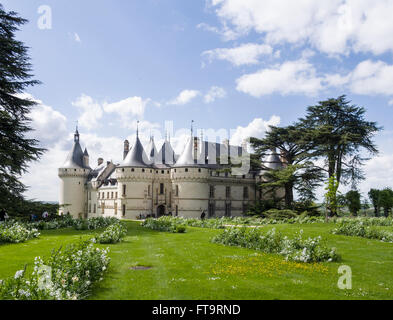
(157, 183)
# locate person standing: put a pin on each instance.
(2, 214)
(203, 215)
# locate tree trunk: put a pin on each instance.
(289, 195)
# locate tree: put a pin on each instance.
(16, 150)
(331, 196)
(340, 132)
(299, 173)
(373, 194)
(353, 202)
(385, 200)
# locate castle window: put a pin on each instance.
(124, 210)
(132, 170)
(161, 188)
(177, 191)
(107, 195)
(143, 170)
(245, 207)
(227, 209)
(167, 172)
(116, 195)
(245, 193)
(228, 192)
(95, 208)
(112, 195)
(175, 170)
(122, 170)
(186, 170)
(162, 171)
(148, 191)
(211, 192)
(115, 208)
(124, 190)
(199, 170)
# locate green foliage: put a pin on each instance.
(166, 224)
(373, 194)
(385, 200)
(353, 201)
(279, 214)
(357, 228)
(16, 150)
(68, 274)
(331, 201)
(296, 249)
(15, 233)
(339, 132)
(113, 234)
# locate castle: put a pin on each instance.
(158, 183)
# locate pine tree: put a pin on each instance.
(340, 132)
(16, 150)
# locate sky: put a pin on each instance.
(232, 66)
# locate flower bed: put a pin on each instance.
(296, 249)
(16, 233)
(68, 274)
(166, 224)
(113, 234)
(358, 228)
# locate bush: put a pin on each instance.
(357, 228)
(166, 224)
(297, 249)
(279, 214)
(14, 232)
(68, 274)
(113, 234)
(94, 223)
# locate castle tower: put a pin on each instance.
(73, 175)
(190, 181)
(135, 176)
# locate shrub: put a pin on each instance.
(113, 234)
(297, 249)
(14, 232)
(94, 223)
(67, 274)
(357, 228)
(166, 224)
(279, 214)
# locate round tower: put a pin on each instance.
(73, 175)
(190, 180)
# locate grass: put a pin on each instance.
(189, 266)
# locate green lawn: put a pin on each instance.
(189, 266)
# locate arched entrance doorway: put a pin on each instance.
(160, 211)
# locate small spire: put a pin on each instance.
(137, 129)
(76, 135)
(192, 128)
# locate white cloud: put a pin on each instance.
(214, 94)
(128, 109)
(291, 77)
(185, 97)
(257, 129)
(246, 54)
(371, 77)
(226, 33)
(91, 111)
(77, 37)
(332, 27)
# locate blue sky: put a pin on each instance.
(227, 64)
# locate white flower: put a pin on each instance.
(19, 274)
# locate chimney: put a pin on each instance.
(100, 161)
(126, 149)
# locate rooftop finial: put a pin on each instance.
(192, 128)
(76, 135)
(137, 129)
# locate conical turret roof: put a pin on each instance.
(75, 156)
(166, 154)
(137, 156)
(152, 153)
(187, 157)
(273, 161)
